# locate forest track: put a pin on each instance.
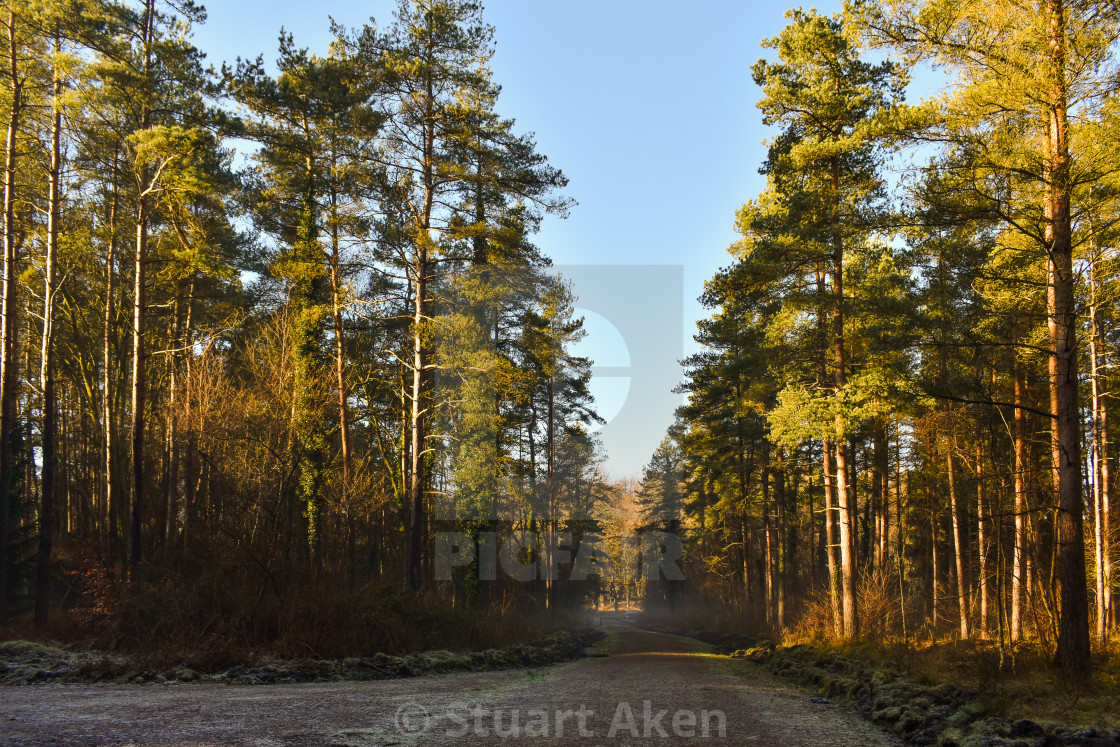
(621, 695)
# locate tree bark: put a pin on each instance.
(843, 489)
(900, 530)
(139, 310)
(767, 541)
(419, 373)
(340, 352)
(780, 544)
(9, 317)
(1100, 454)
(880, 493)
(830, 502)
(139, 380)
(423, 222)
(981, 534)
(958, 552)
(1018, 556)
(1073, 632)
(171, 525)
(1105, 511)
(111, 511)
(417, 519)
(932, 539)
(46, 358)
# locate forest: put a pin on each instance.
(281, 365)
(899, 425)
(264, 334)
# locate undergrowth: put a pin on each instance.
(215, 620)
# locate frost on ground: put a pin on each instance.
(26, 663)
(651, 684)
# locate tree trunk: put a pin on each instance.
(171, 486)
(981, 533)
(932, 540)
(880, 493)
(780, 544)
(743, 479)
(1073, 632)
(1105, 509)
(139, 310)
(745, 545)
(111, 510)
(814, 554)
(423, 219)
(830, 501)
(843, 489)
(340, 354)
(531, 431)
(1019, 538)
(406, 414)
(830, 537)
(139, 379)
(1105, 512)
(1100, 454)
(767, 540)
(417, 519)
(900, 530)
(46, 358)
(958, 552)
(9, 317)
(551, 508)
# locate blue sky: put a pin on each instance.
(647, 106)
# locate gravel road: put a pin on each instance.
(651, 688)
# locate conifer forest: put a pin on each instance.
(284, 367)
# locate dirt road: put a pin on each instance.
(651, 688)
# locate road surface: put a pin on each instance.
(651, 688)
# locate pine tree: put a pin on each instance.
(823, 95)
(449, 159)
(310, 121)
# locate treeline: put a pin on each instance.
(899, 425)
(264, 335)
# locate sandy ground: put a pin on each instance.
(651, 688)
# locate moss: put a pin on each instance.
(966, 714)
(951, 738)
(30, 651)
(884, 677)
(381, 659)
(23, 662)
(909, 720)
(442, 661)
(102, 667)
(184, 674)
(887, 715)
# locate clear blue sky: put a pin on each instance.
(646, 105)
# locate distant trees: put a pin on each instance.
(661, 495)
(660, 501)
